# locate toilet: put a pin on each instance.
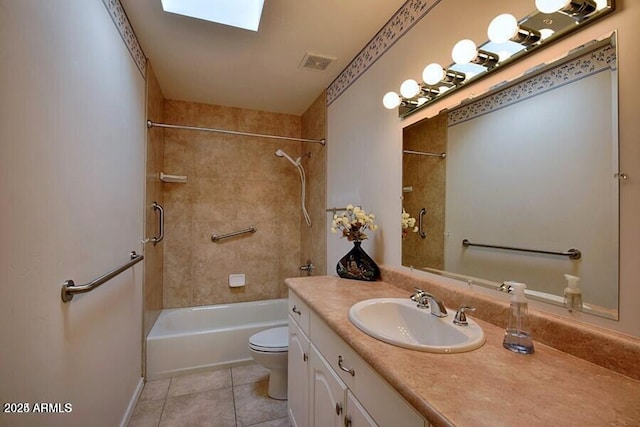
(270, 349)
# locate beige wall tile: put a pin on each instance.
(233, 182)
(314, 240)
(154, 165)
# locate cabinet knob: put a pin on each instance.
(305, 357)
(296, 310)
(347, 421)
(338, 408)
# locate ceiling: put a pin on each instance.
(200, 61)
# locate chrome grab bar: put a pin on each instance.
(155, 240)
(218, 237)
(571, 253)
(69, 288)
(423, 211)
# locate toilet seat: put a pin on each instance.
(274, 340)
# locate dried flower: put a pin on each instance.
(353, 222)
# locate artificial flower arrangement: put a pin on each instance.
(353, 223)
(408, 222)
(356, 264)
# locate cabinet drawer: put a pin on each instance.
(382, 402)
(299, 312)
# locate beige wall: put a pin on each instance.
(154, 165)
(233, 182)
(72, 189)
(360, 127)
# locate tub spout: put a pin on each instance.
(308, 267)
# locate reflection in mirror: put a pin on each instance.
(530, 174)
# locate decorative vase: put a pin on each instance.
(358, 265)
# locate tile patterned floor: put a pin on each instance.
(232, 397)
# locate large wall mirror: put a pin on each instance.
(521, 184)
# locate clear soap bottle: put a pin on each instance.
(572, 293)
(517, 337)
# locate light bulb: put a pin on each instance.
(546, 33)
(409, 88)
(504, 55)
(391, 100)
(551, 6)
(433, 74)
(464, 51)
(502, 28)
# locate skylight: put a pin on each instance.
(236, 13)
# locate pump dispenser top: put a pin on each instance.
(517, 337)
(572, 293)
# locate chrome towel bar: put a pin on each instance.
(69, 288)
(571, 253)
(218, 237)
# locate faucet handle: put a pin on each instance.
(419, 297)
(461, 317)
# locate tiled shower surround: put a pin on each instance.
(234, 182)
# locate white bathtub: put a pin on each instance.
(192, 339)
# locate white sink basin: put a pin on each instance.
(399, 322)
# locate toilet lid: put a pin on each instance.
(271, 340)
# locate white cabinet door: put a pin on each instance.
(327, 393)
(298, 378)
(356, 416)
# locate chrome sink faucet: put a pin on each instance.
(425, 300)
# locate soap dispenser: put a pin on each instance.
(517, 337)
(572, 293)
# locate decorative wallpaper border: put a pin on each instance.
(575, 69)
(409, 14)
(119, 17)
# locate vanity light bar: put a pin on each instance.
(503, 30)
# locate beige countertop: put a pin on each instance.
(490, 386)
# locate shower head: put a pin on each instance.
(298, 165)
(280, 153)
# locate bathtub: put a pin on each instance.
(192, 339)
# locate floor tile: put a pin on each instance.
(254, 406)
(147, 414)
(209, 399)
(155, 390)
(212, 408)
(280, 422)
(246, 374)
(202, 381)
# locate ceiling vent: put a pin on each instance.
(313, 61)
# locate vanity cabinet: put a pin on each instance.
(331, 385)
(331, 403)
(298, 361)
(326, 393)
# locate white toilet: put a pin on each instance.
(270, 349)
